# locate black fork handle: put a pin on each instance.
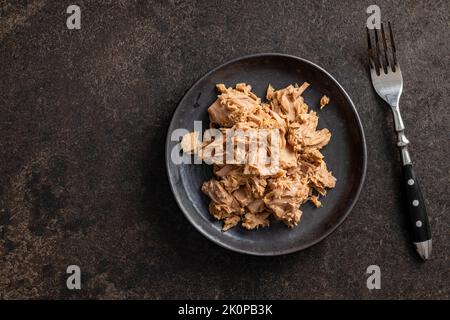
(415, 206)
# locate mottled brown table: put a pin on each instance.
(83, 122)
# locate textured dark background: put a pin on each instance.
(83, 121)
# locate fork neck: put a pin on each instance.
(402, 144)
(402, 141)
(398, 121)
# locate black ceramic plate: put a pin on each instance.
(345, 154)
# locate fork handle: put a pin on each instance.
(415, 206)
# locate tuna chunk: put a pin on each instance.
(233, 105)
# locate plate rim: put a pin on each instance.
(269, 252)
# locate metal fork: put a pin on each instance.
(388, 83)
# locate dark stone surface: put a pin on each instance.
(83, 122)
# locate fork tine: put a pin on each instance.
(394, 55)
(386, 59)
(378, 54)
(369, 50)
